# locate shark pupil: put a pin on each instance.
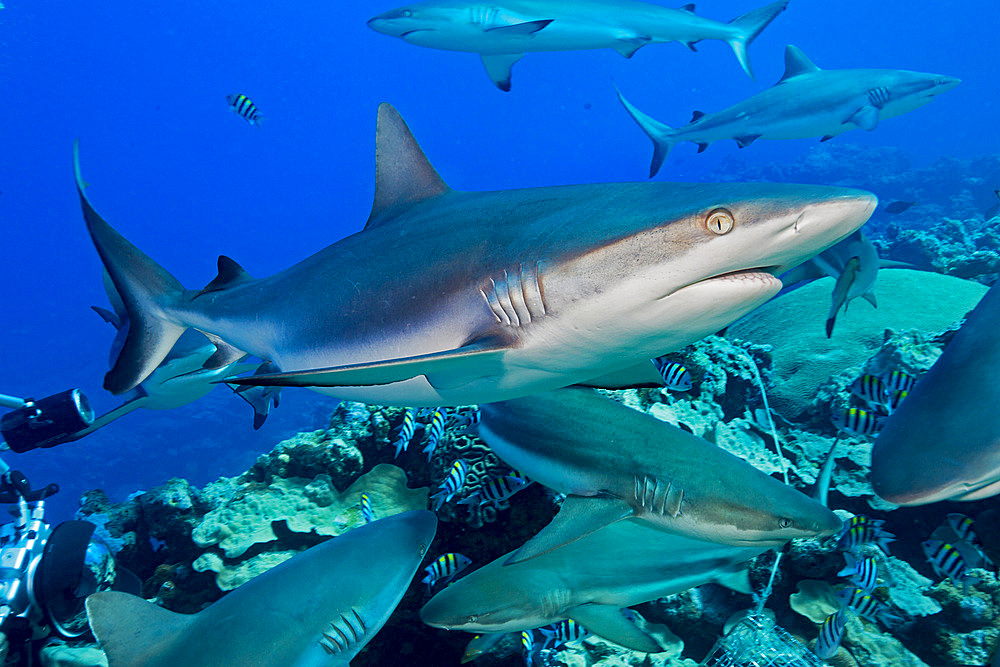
(720, 221)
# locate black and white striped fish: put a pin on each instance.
(528, 646)
(675, 376)
(947, 561)
(898, 381)
(830, 634)
(863, 573)
(451, 485)
(434, 431)
(858, 422)
(366, 508)
(871, 390)
(466, 418)
(406, 431)
(242, 105)
(895, 398)
(868, 606)
(860, 530)
(444, 568)
(563, 632)
(962, 526)
(495, 490)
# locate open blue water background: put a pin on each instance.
(143, 86)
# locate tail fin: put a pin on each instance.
(661, 135)
(146, 290)
(750, 25)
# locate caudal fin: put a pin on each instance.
(750, 25)
(147, 291)
(661, 135)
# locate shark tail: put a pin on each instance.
(663, 136)
(148, 291)
(749, 26)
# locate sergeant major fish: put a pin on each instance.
(860, 530)
(863, 572)
(434, 431)
(675, 376)
(366, 508)
(495, 490)
(830, 635)
(947, 562)
(244, 108)
(444, 568)
(566, 631)
(871, 390)
(406, 431)
(451, 485)
(868, 606)
(857, 421)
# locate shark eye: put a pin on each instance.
(720, 221)
(785, 523)
(406, 13)
(472, 619)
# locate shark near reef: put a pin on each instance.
(456, 298)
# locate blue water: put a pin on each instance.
(143, 86)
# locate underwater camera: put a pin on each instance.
(45, 422)
(47, 573)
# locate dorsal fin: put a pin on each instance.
(403, 174)
(796, 63)
(230, 274)
(688, 7)
(696, 115)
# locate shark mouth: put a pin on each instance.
(410, 32)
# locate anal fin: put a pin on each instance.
(578, 517)
(610, 623)
(474, 360)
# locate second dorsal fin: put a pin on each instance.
(230, 274)
(403, 174)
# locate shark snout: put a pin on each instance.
(943, 84)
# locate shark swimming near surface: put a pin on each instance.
(505, 293)
(806, 102)
(943, 441)
(623, 463)
(318, 608)
(502, 32)
(589, 581)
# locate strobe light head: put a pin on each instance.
(47, 422)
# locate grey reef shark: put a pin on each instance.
(626, 464)
(806, 102)
(943, 442)
(502, 32)
(590, 581)
(502, 294)
(317, 609)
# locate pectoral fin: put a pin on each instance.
(579, 516)
(474, 360)
(628, 47)
(609, 623)
(866, 118)
(498, 68)
(738, 581)
(525, 28)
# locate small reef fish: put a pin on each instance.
(451, 485)
(897, 207)
(899, 381)
(860, 530)
(868, 606)
(962, 525)
(564, 632)
(444, 569)
(480, 645)
(496, 490)
(857, 421)
(366, 508)
(406, 431)
(434, 431)
(863, 573)
(871, 390)
(947, 561)
(464, 419)
(242, 105)
(895, 398)
(830, 634)
(528, 647)
(675, 376)
(994, 210)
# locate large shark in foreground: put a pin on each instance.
(806, 102)
(501, 32)
(943, 442)
(318, 609)
(590, 581)
(457, 298)
(623, 463)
